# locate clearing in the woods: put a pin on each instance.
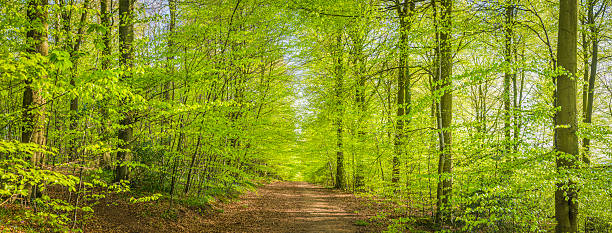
(275, 207)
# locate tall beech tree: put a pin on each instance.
(566, 140)
(33, 105)
(126, 40)
(443, 81)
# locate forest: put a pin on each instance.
(444, 115)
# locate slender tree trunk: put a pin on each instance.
(74, 102)
(508, 73)
(171, 49)
(399, 128)
(589, 87)
(586, 70)
(518, 98)
(404, 12)
(360, 93)
(105, 15)
(66, 16)
(168, 92)
(340, 184)
(443, 70)
(433, 140)
(180, 150)
(126, 38)
(566, 140)
(193, 159)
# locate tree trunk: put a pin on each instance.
(180, 149)
(74, 102)
(126, 38)
(588, 91)
(33, 103)
(193, 159)
(508, 73)
(105, 13)
(404, 13)
(360, 93)
(517, 98)
(340, 184)
(167, 89)
(443, 70)
(566, 140)
(170, 57)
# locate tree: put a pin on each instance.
(443, 80)
(126, 38)
(566, 140)
(405, 10)
(338, 90)
(105, 63)
(73, 45)
(359, 61)
(590, 72)
(508, 74)
(33, 105)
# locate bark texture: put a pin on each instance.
(566, 140)
(33, 103)
(443, 72)
(126, 38)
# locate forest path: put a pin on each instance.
(291, 207)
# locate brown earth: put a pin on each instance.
(275, 207)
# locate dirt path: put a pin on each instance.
(291, 207)
(276, 207)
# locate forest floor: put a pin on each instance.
(274, 207)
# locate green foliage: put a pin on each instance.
(153, 197)
(361, 223)
(225, 94)
(18, 179)
(494, 190)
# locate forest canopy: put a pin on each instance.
(477, 116)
